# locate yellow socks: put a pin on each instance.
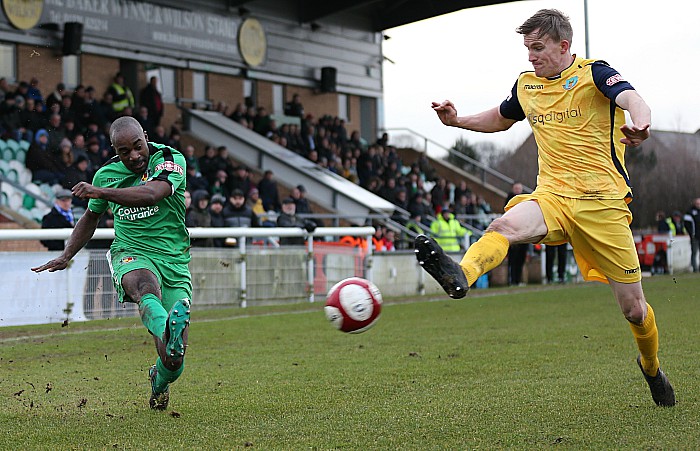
(647, 337)
(484, 255)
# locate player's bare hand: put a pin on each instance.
(84, 190)
(57, 264)
(634, 135)
(446, 111)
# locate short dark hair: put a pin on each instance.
(548, 22)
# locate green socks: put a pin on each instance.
(153, 315)
(165, 377)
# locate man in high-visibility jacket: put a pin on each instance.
(448, 231)
(122, 97)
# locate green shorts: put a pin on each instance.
(174, 278)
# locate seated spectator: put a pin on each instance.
(237, 213)
(33, 91)
(255, 204)
(42, 162)
(199, 216)
(193, 181)
(288, 218)
(240, 180)
(56, 97)
(59, 217)
(76, 173)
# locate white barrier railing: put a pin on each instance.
(225, 232)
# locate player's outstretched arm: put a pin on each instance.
(83, 231)
(488, 121)
(640, 113)
(134, 196)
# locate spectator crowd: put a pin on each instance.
(68, 135)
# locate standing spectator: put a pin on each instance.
(448, 231)
(517, 253)
(294, 107)
(675, 224)
(76, 173)
(269, 194)
(692, 223)
(151, 99)
(122, 97)
(559, 251)
(439, 194)
(216, 209)
(208, 164)
(199, 216)
(60, 217)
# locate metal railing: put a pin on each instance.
(480, 167)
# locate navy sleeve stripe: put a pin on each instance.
(608, 80)
(510, 108)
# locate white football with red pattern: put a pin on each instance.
(353, 305)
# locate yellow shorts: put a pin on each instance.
(598, 230)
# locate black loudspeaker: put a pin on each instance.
(72, 38)
(328, 79)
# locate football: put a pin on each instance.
(353, 305)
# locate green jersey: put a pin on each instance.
(158, 229)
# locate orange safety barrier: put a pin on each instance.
(649, 246)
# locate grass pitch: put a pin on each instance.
(525, 368)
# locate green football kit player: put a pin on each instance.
(144, 187)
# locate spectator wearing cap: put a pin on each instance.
(59, 217)
(199, 216)
(216, 212)
(255, 204)
(237, 213)
(288, 218)
(302, 204)
(675, 224)
(448, 231)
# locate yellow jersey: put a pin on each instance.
(576, 125)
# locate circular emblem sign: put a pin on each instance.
(252, 42)
(23, 14)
